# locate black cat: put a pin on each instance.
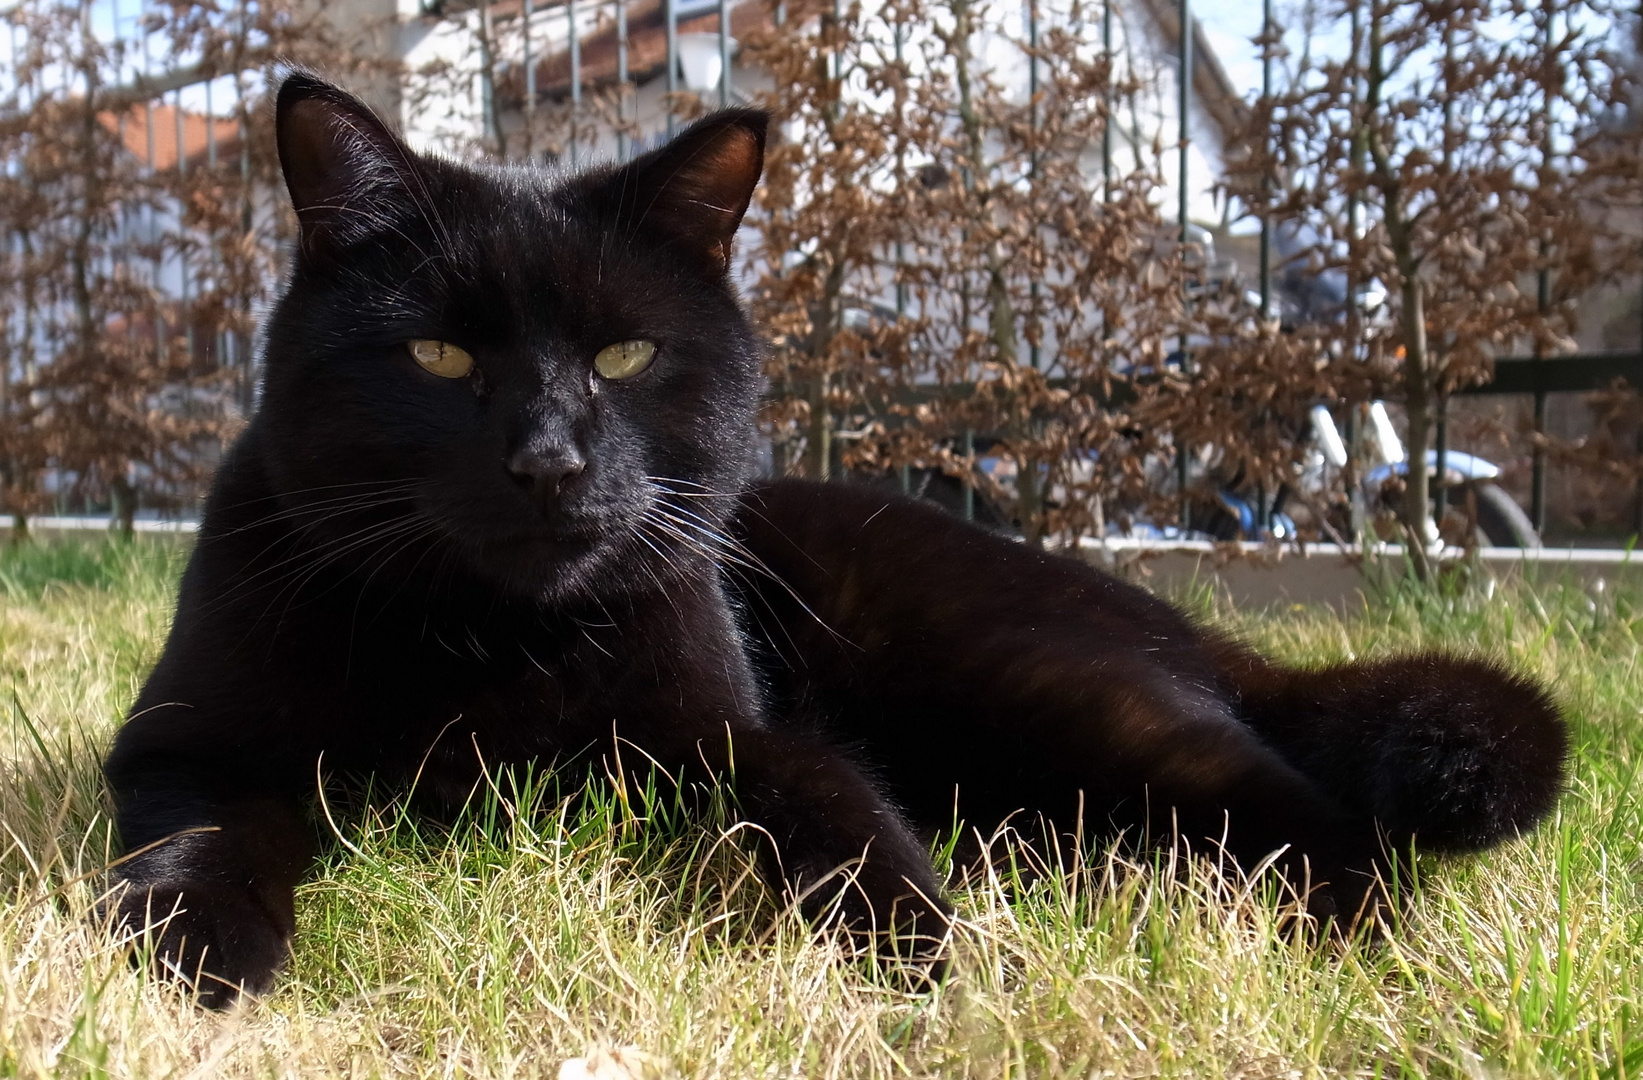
(482, 516)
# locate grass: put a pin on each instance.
(543, 927)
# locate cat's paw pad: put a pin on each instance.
(214, 940)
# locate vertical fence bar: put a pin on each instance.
(8, 308)
(1106, 102)
(672, 63)
(724, 53)
(218, 342)
(184, 301)
(1354, 431)
(210, 128)
(242, 343)
(838, 59)
(120, 255)
(1440, 471)
(575, 39)
(899, 35)
(969, 475)
(157, 267)
(1263, 513)
(1543, 296)
(624, 147)
(1637, 506)
(527, 13)
(1266, 179)
(1034, 120)
(1183, 104)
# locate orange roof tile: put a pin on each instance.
(197, 131)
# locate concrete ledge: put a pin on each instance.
(1250, 575)
(51, 525)
(1258, 575)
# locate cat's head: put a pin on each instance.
(548, 378)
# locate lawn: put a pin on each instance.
(543, 927)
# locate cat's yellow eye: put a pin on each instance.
(442, 358)
(625, 359)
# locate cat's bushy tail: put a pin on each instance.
(1453, 753)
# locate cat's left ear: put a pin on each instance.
(692, 192)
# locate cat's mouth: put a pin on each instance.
(548, 540)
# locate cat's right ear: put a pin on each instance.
(346, 171)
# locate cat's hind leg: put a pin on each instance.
(1158, 752)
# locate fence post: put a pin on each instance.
(157, 269)
(526, 13)
(1440, 479)
(1543, 295)
(624, 147)
(724, 53)
(182, 254)
(1183, 103)
(1637, 510)
(1106, 103)
(575, 39)
(1033, 356)
(672, 63)
(1356, 511)
(969, 475)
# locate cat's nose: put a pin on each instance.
(546, 474)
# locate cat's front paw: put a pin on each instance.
(916, 949)
(215, 940)
(898, 923)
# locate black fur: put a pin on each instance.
(987, 678)
(406, 575)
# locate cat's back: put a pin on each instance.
(955, 656)
(862, 550)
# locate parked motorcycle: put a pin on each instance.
(1477, 510)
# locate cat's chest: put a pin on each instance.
(510, 696)
(447, 705)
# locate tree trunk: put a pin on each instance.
(1418, 381)
(825, 320)
(124, 497)
(1001, 320)
(818, 449)
(1418, 401)
(487, 78)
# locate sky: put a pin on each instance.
(1229, 25)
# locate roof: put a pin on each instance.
(647, 45)
(198, 132)
(1212, 89)
(647, 51)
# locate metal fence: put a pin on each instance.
(168, 101)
